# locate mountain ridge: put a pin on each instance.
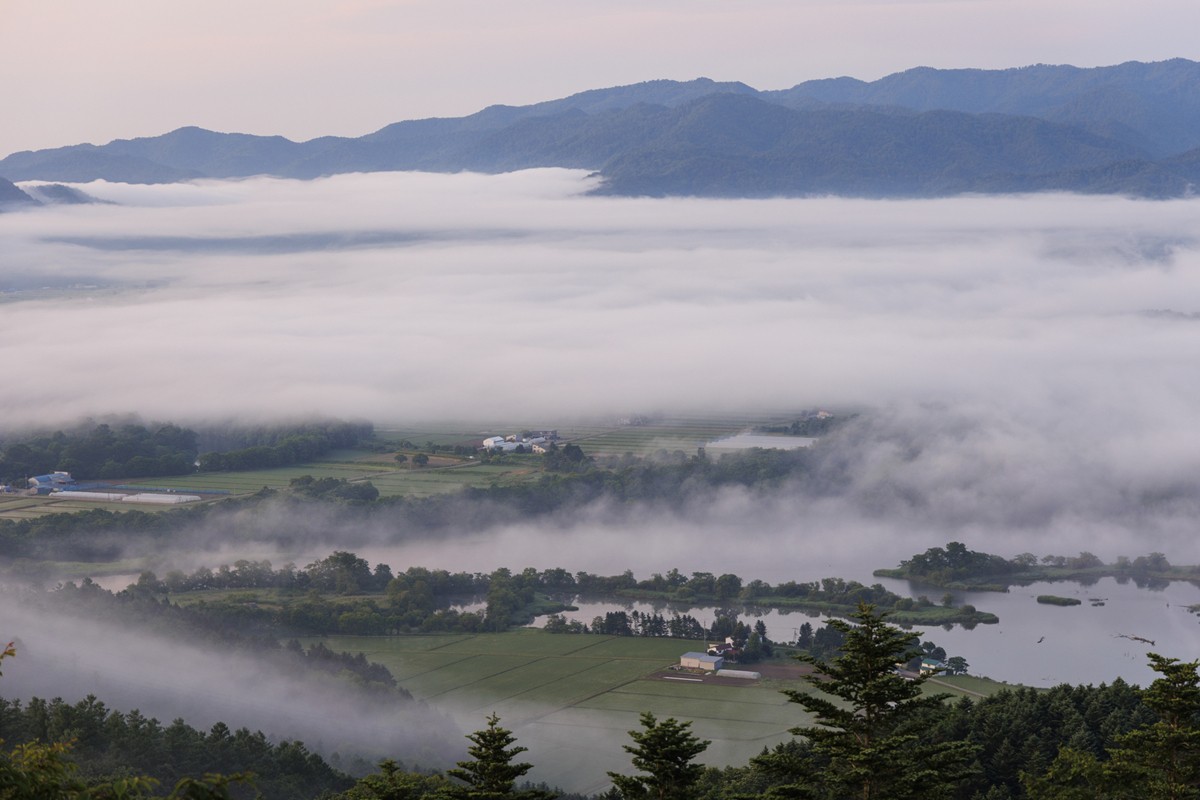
(1129, 128)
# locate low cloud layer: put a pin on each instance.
(1017, 384)
(408, 296)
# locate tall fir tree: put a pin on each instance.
(491, 773)
(866, 738)
(1161, 761)
(664, 751)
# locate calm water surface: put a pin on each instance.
(1033, 644)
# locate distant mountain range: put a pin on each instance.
(1132, 128)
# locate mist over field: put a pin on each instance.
(1027, 363)
(202, 682)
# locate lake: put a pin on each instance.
(1034, 644)
(1078, 644)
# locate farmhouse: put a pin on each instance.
(931, 665)
(726, 649)
(694, 660)
(530, 442)
(55, 481)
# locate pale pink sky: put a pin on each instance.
(80, 70)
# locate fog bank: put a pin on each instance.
(409, 296)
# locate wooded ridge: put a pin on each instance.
(1133, 128)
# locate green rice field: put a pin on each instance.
(571, 699)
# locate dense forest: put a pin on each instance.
(101, 451)
(135, 450)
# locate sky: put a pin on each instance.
(75, 71)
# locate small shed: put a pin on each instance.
(695, 660)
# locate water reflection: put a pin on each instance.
(1034, 644)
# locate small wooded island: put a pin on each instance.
(956, 567)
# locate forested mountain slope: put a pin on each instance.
(1132, 128)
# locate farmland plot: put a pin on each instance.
(571, 699)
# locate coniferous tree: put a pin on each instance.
(1161, 761)
(664, 751)
(491, 774)
(393, 783)
(868, 739)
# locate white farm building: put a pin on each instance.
(695, 660)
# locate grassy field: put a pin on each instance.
(676, 433)
(571, 699)
(444, 474)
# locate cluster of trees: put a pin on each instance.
(568, 458)
(956, 565)
(102, 451)
(106, 743)
(320, 657)
(85, 751)
(634, 623)
(234, 628)
(340, 572)
(280, 447)
(92, 535)
(334, 488)
(826, 594)
(807, 424)
(421, 599)
(135, 450)
(955, 562)
(223, 438)
(342, 594)
(417, 600)
(672, 481)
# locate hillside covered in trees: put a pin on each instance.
(1129, 128)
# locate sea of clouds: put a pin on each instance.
(1028, 363)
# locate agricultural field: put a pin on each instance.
(444, 473)
(571, 699)
(17, 507)
(639, 436)
(685, 434)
